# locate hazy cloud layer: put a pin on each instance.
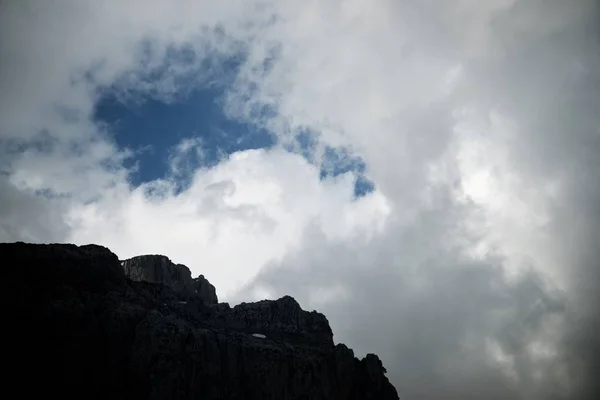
(472, 269)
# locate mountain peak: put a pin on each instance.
(142, 329)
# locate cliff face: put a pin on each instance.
(159, 269)
(82, 324)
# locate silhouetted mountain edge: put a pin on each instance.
(83, 324)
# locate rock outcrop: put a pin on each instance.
(159, 269)
(82, 324)
(282, 319)
(205, 290)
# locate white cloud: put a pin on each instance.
(477, 121)
(246, 211)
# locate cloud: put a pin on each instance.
(472, 268)
(232, 218)
(27, 217)
(443, 322)
(504, 122)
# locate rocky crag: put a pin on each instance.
(159, 269)
(83, 324)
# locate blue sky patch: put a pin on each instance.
(335, 161)
(339, 161)
(153, 128)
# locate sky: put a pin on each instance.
(423, 173)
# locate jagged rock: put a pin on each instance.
(160, 269)
(76, 327)
(203, 288)
(282, 318)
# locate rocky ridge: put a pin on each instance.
(83, 324)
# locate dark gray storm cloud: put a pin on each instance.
(449, 326)
(435, 316)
